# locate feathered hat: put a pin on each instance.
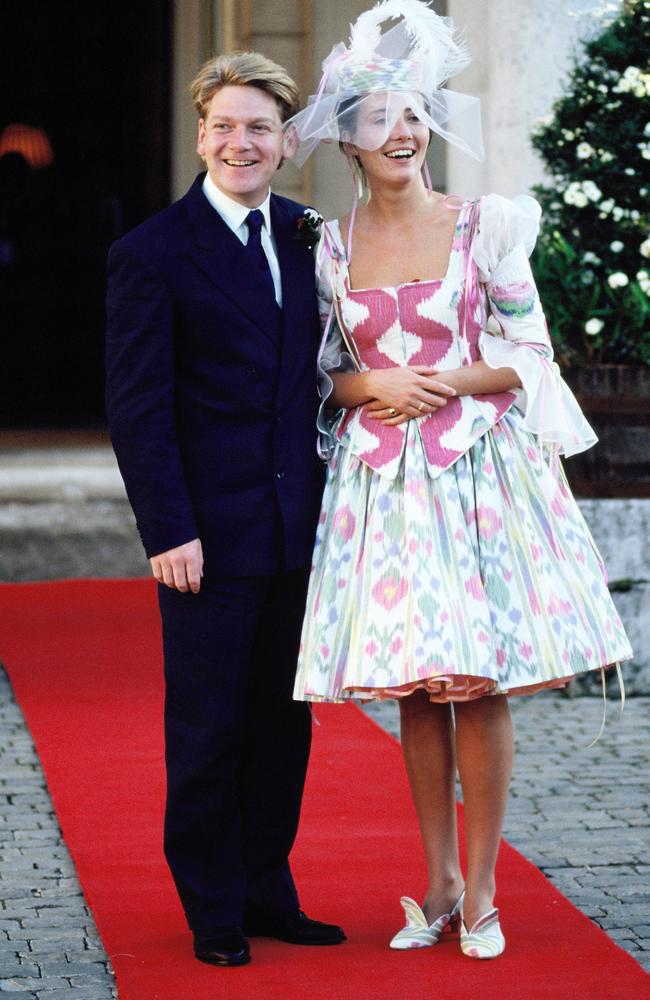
(407, 64)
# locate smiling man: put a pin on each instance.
(212, 335)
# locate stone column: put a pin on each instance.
(521, 53)
(194, 41)
(332, 183)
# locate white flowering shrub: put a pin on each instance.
(593, 257)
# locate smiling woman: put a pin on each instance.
(377, 114)
(366, 125)
(451, 563)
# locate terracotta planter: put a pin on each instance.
(616, 402)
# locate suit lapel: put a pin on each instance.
(221, 256)
(297, 270)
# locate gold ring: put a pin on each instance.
(421, 406)
(392, 411)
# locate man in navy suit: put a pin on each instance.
(212, 338)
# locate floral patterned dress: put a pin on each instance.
(450, 554)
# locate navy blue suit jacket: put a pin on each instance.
(211, 395)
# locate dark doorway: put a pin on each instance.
(95, 79)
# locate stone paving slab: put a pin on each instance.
(64, 539)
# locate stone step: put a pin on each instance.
(59, 474)
(64, 513)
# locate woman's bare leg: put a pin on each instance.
(484, 751)
(428, 746)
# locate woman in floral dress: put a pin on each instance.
(452, 566)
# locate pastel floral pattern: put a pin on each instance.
(464, 571)
(389, 591)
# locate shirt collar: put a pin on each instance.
(232, 212)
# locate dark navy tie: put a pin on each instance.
(259, 260)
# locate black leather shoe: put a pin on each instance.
(222, 946)
(294, 927)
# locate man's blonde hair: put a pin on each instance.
(252, 69)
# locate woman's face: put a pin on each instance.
(399, 137)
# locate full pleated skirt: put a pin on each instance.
(485, 580)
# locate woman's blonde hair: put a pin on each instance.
(252, 69)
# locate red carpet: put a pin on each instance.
(84, 660)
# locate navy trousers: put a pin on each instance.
(236, 744)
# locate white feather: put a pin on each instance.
(365, 34)
(431, 37)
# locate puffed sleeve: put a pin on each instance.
(332, 355)
(517, 335)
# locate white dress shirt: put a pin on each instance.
(234, 215)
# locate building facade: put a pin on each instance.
(106, 88)
(521, 52)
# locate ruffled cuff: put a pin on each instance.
(327, 419)
(549, 408)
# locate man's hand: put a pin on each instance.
(180, 568)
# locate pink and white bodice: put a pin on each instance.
(486, 306)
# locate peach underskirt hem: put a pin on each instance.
(443, 690)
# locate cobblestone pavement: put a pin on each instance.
(579, 814)
(582, 815)
(49, 946)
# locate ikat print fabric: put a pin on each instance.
(450, 554)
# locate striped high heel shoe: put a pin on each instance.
(485, 939)
(418, 933)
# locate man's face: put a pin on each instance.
(242, 141)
